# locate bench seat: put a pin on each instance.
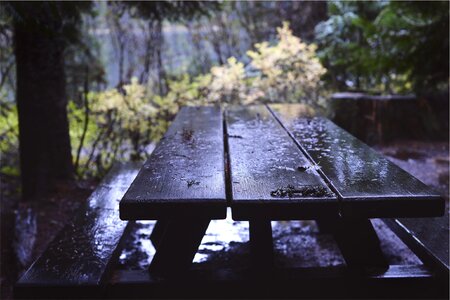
(428, 238)
(81, 255)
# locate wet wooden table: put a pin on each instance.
(276, 162)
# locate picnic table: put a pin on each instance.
(275, 162)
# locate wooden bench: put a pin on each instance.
(252, 160)
(427, 238)
(77, 263)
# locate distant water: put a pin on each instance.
(177, 54)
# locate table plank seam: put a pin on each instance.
(227, 168)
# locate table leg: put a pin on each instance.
(158, 232)
(359, 244)
(325, 225)
(178, 245)
(261, 243)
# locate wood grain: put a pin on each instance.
(270, 177)
(184, 175)
(367, 184)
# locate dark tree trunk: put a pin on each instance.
(45, 152)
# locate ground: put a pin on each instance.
(27, 229)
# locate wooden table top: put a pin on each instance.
(277, 162)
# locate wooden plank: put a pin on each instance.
(299, 283)
(184, 176)
(335, 282)
(112, 188)
(270, 177)
(427, 238)
(82, 252)
(368, 185)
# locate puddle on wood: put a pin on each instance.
(334, 151)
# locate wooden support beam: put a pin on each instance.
(178, 246)
(359, 244)
(261, 244)
(158, 232)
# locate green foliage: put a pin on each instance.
(9, 137)
(417, 34)
(290, 70)
(228, 84)
(9, 126)
(286, 71)
(343, 48)
(119, 123)
(385, 46)
(77, 119)
(124, 121)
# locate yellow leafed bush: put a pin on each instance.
(131, 108)
(289, 70)
(228, 83)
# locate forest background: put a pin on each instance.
(87, 84)
(130, 67)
